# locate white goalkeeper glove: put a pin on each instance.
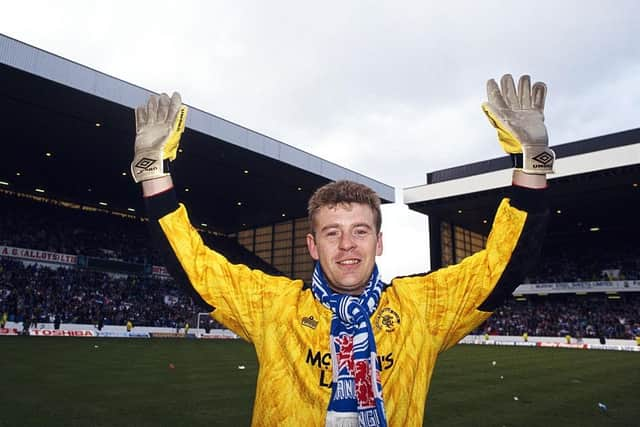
(519, 118)
(159, 126)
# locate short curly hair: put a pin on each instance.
(344, 191)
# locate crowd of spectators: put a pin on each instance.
(43, 226)
(39, 294)
(580, 316)
(593, 315)
(49, 227)
(577, 261)
(45, 293)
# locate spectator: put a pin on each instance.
(587, 316)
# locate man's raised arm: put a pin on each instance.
(518, 116)
(159, 126)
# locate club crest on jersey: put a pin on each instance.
(309, 322)
(387, 319)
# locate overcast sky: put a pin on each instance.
(389, 89)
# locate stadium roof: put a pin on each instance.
(230, 177)
(596, 186)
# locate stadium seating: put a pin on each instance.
(93, 292)
(580, 316)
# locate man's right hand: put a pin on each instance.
(518, 116)
(159, 126)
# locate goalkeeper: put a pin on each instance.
(348, 349)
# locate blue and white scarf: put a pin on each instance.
(356, 389)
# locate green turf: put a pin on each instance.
(125, 382)
(554, 387)
(69, 382)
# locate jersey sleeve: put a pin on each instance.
(462, 296)
(237, 294)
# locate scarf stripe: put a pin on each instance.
(356, 389)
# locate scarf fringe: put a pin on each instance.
(342, 419)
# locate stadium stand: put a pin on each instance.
(43, 224)
(586, 283)
(580, 316)
(588, 258)
(93, 291)
(39, 294)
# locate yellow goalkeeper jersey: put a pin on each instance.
(417, 318)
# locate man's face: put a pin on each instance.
(346, 244)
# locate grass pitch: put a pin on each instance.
(71, 382)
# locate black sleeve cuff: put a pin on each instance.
(532, 200)
(161, 204)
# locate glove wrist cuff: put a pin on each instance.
(150, 165)
(534, 160)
